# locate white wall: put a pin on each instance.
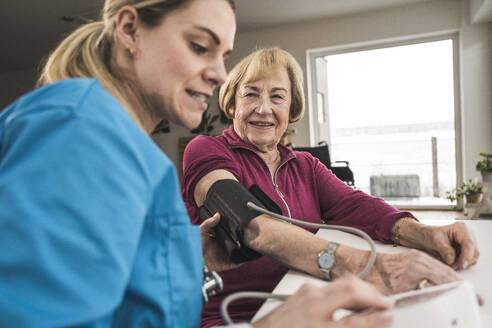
(416, 19)
(476, 92)
(480, 11)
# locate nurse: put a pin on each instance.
(94, 231)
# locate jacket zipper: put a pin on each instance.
(273, 179)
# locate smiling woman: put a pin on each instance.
(104, 238)
(264, 93)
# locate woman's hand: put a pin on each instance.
(213, 255)
(313, 306)
(393, 273)
(397, 273)
(454, 244)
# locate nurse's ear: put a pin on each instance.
(126, 23)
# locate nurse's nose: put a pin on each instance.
(216, 72)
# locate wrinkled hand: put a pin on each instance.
(313, 306)
(401, 272)
(455, 244)
(397, 273)
(215, 257)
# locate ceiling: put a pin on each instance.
(29, 32)
(253, 14)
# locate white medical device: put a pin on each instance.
(452, 305)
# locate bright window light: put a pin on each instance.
(385, 106)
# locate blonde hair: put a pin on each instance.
(87, 52)
(252, 68)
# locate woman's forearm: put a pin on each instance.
(391, 273)
(410, 233)
(298, 248)
(286, 243)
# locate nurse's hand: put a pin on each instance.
(214, 256)
(313, 306)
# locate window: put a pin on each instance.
(390, 111)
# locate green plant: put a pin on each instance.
(224, 119)
(486, 163)
(285, 139)
(162, 127)
(289, 131)
(465, 189)
(207, 124)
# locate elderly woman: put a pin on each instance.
(262, 94)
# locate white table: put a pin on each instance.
(479, 275)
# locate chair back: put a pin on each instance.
(321, 152)
(341, 170)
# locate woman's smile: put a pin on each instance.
(262, 125)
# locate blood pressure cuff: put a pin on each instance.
(229, 198)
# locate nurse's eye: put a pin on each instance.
(198, 49)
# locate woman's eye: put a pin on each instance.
(198, 48)
(251, 95)
(278, 99)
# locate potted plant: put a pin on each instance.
(485, 167)
(285, 139)
(206, 127)
(472, 191)
(207, 124)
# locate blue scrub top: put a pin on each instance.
(94, 232)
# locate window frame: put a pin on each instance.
(313, 110)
